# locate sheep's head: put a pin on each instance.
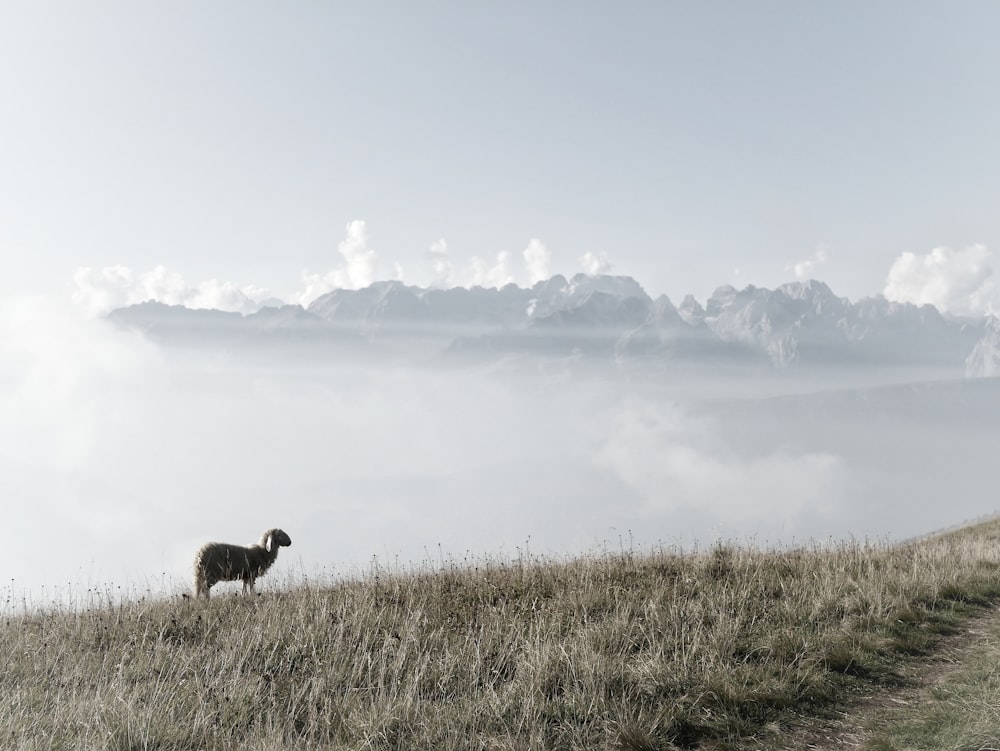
(275, 537)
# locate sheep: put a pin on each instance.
(220, 561)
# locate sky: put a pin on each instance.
(210, 153)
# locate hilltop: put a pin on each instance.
(730, 648)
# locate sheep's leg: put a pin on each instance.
(200, 587)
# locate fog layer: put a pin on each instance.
(118, 458)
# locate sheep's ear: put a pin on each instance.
(267, 545)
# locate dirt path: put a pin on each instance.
(873, 713)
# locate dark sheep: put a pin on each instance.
(220, 561)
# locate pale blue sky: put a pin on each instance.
(695, 144)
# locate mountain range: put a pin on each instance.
(596, 318)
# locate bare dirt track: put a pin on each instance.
(871, 716)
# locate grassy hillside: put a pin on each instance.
(657, 651)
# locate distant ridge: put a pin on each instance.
(609, 318)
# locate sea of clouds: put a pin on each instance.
(118, 457)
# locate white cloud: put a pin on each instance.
(53, 362)
(164, 286)
(357, 272)
(805, 269)
(536, 259)
(958, 282)
(498, 275)
(675, 462)
(99, 291)
(227, 296)
(440, 263)
(479, 272)
(595, 264)
(360, 259)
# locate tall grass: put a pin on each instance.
(635, 652)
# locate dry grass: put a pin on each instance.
(658, 651)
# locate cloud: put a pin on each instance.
(99, 291)
(163, 286)
(595, 264)
(358, 270)
(536, 259)
(497, 275)
(441, 268)
(61, 372)
(805, 269)
(228, 296)
(360, 260)
(103, 432)
(958, 282)
(480, 272)
(677, 463)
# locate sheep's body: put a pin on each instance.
(220, 561)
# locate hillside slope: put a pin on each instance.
(716, 650)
